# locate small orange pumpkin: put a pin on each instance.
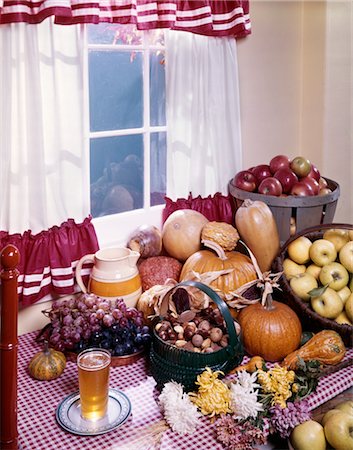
(217, 260)
(272, 330)
(47, 364)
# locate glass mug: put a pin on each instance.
(93, 378)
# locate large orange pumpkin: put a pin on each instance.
(211, 261)
(271, 331)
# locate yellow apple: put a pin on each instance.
(328, 304)
(314, 270)
(342, 318)
(290, 268)
(298, 250)
(335, 275)
(322, 252)
(337, 236)
(346, 256)
(348, 307)
(337, 431)
(302, 284)
(344, 293)
(346, 406)
(308, 435)
(327, 415)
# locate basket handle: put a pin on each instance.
(222, 306)
(323, 226)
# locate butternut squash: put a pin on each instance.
(326, 347)
(258, 229)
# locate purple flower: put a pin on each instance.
(283, 420)
(237, 435)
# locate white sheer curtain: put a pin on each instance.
(204, 140)
(43, 172)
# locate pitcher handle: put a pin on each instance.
(82, 261)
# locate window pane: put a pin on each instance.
(157, 88)
(158, 168)
(114, 34)
(115, 90)
(116, 174)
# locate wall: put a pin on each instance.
(296, 88)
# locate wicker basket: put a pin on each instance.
(168, 362)
(307, 211)
(311, 321)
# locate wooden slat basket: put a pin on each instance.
(306, 211)
(311, 321)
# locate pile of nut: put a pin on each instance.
(201, 332)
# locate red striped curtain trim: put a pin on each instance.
(214, 18)
(48, 260)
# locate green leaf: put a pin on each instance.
(317, 292)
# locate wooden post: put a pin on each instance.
(9, 258)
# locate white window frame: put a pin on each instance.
(114, 230)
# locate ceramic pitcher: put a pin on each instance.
(114, 274)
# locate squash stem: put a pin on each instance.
(216, 247)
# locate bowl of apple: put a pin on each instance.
(317, 279)
(294, 189)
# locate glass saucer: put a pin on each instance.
(68, 414)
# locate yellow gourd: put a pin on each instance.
(258, 229)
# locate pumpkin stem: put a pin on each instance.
(269, 302)
(247, 202)
(46, 347)
(216, 247)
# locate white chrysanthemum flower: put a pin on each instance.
(180, 413)
(244, 398)
(247, 380)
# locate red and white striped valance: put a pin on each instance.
(212, 18)
(48, 259)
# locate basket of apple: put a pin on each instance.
(317, 279)
(298, 196)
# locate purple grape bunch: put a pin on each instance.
(90, 321)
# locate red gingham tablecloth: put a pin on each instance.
(37, 402)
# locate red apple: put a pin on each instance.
(314, 172)
(287, 178)
(270, 186)
(311, 182)
(261, 172)
(322, 183)
(301, 189)
(245, 180)
(279, 162)
(300, 166)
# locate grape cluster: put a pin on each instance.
(90, 321)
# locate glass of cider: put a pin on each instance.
(93, 378)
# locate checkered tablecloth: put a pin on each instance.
(37, 402)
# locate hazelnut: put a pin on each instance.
(163, 335)
(188, 346)
(224, 341)
(204, 328)
(189, 331)
(208, 350)
(171, 335)
(216, 334)
(197, 340)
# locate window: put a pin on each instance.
(125, 88)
